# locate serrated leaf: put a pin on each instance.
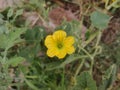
(85, 82)
(9, 40)
(99, 20)
(14, 61)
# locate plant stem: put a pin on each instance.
(92, 64)
(108, 7)
(95, 52)
(63, 78)
(79, 68)
(91, 57)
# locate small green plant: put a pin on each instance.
(32, 57)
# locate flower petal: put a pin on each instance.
(59, 35)
(69, 41)
(62, 53)
(49, 42)
(52, 52)
(70, 50)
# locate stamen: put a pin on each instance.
(59, 45)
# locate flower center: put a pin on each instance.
(59, 45)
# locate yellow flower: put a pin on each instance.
(59, 44)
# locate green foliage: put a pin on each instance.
(109, 78)
(85, 82)
(24, 63)
(117, 56)
(14, 61)
(3, 25)
(115, 4)
(35, 35)
(10, 12)
(69, 59)
(9, 40)
(31, 85)
(99, 20)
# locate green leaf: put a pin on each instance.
(9, 40)
(3, 29)
(18, 13)
(35, 35)
(3, 42)
(30, 52)
(85, 82)
(10, 12)
(100, 20)
(32, 86)
(1, 16)
(14, 61)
